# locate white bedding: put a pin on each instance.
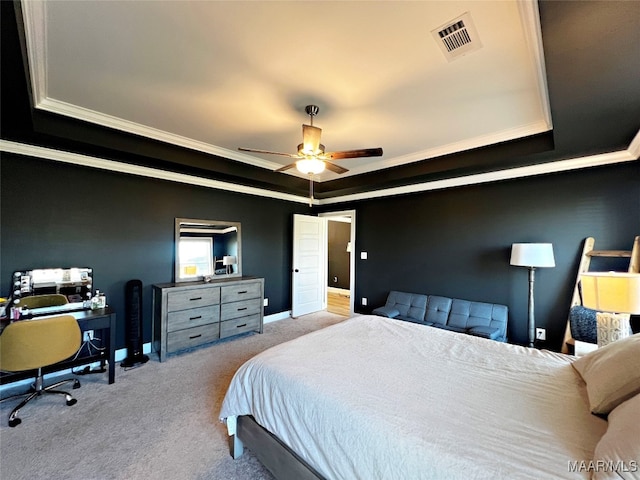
(375, 398)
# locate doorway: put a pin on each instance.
(340, 262)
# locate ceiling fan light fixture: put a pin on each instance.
(310, 140)
(310, 166)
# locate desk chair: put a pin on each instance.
(37, 301)
(34, 344)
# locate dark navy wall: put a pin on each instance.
(58, 215)
(457, 242)
(452, 242)
(339, 234)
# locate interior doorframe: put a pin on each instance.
(352, 256)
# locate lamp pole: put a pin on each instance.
(532, 255)
(532, 320)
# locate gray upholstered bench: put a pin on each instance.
(487, 320)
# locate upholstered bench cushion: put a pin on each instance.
(486, 320)
(438, 309)
(450, 328)
(489, 316)
(389, 312)
(484, 332)
(410, 306)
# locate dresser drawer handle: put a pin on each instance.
(243, 308)
(195, 318)
(243, 291)
(194, 336)
(197, 298)
(240, 326)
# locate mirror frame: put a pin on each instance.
(179, 221)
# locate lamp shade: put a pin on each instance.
(532, 255)
(229, 260)
(616, 292)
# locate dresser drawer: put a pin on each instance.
(192, 337)
(240, 309)
(234, 293)
(193, 317)
(239, 325)
(194, 298)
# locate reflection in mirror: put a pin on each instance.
(206, 249)
(52, 290)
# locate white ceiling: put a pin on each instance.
(217, 75)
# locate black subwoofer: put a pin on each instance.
(133, 320)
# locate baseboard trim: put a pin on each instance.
(277, 316)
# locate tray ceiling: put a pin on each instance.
(214, 76)
(171, 89)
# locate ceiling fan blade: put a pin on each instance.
(286, 167)
(364, 152)
(335, 168)
(290, 155)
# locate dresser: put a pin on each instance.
(190, 314)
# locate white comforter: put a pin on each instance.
(375, 398)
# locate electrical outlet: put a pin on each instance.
(87, 335)
(364, 301)
(266, 302)
(541, 334)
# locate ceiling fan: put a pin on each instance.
(311, 157)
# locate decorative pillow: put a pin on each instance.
(612, 373)
(582, 321)
(612, 327)
(618, 451)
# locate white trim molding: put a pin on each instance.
(629, 155)
(121, 167)
(506, 174)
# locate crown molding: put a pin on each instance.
(120, 167)
(530, 17)
(456, 147)
(507, 174)
(578, 163)
(634, 146)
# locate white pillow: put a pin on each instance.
(617, 454)
(612, 373)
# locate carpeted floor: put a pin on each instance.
(157, 421)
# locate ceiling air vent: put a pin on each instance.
(457, 37)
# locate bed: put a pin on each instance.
(377, 398)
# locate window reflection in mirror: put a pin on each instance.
(207, 249)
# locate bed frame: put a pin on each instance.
(278, 458)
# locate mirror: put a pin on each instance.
(72, 285)
(207, 249)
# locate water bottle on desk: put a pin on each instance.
(95, 301)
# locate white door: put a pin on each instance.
(308, 277)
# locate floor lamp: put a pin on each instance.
(615, 295)
(532, 256)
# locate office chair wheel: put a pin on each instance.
(73, 401)
(76, 384)
(14, 422)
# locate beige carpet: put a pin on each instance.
(156, 421)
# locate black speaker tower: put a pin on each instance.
(133, 319)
